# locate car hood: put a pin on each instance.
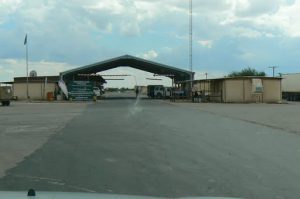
(75, 195)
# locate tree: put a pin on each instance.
(247, 72)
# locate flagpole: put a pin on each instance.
(27, 90)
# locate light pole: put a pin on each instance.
(26, 44)
(191, 42)
(273, 68)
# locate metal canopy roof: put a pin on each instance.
(133, 62)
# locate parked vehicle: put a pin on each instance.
(179, 93)
(5, 95)
(155, 91)
(97, 91)
(291, 86)
(168, 92)
(158, 91)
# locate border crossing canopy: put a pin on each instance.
(133, 62)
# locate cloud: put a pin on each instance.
(115, 7)
(167, 49)
(8, 7)
(287, 19)
(109, 28)
(181, 37)
(206, 43)
(248, 56)
(256, 7)
(130, 29)
(246, 32)
(270, 17)
(151, 54)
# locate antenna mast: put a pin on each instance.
(191, 42)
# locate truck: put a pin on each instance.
(98, 91)
(5, 95)
(158, 91)
(291, 86)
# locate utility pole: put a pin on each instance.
(273, 68)
(26, 43)
(191, 42)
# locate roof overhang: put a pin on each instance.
(133, 62)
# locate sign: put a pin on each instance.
(81, 90)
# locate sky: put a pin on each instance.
(228, 35)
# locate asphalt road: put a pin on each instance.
(155, 148)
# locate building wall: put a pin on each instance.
(223, 91)
(240, 91)
(36, 90)
(201, 86)
(233, 90)
(216, 91)
(272, 90)
(249, 96)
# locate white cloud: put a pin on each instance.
(181, 37)
(248, 56)
(255, 7)
(146, 10)
(263, 18)
(167, 49)
(270, 35)
(130, 28)
(127, 15)
(7, 7)
(246, 32)
(206, 43)
(109, 28)
(287, 19)
(151, 54)
(112, 6)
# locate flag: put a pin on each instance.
(25, 40)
